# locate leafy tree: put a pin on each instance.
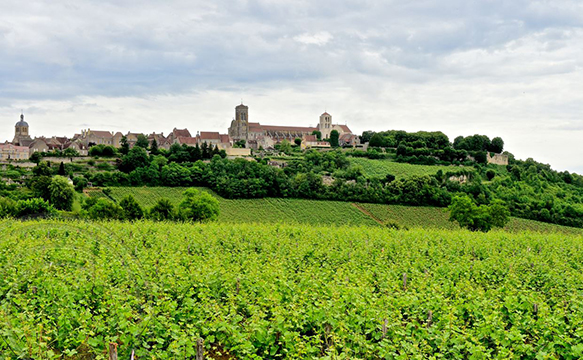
(42, 169)
(162, 210)
(70, 152)
(142, 141)
(80, 183)
(132, 210)
(239, 144)
(154, 147)
(334, 136)
(285, 147)
(497, 145)
(125, 147)
(481, 157)
(136, 158)
(318, 134)
(40, 187)
(198, 206)
(36, 157)
(366, 136)
(62, 194)
(478, 218)
(105, 209)
(376, 140)
(298, 141)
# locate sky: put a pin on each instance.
(512, 69)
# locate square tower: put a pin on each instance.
(325, 125)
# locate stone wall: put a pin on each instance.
(498, 159)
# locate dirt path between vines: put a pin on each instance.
(367, 213)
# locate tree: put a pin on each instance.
(7, 207)
(162, 210)
(132, 210)
(478, 218)
(36, 157)
(61, 169)
(285, 147)
(125, 147)
(298, 141)
(34, 207)
(154, 147)
(136, 158)
(142, 141)
(62, 194)
(366, 136)
(198, 206)
(42, 169)
(481, 157)
(105, 209)
(40, 187)
(376, 140)
(490, 174)
(334, 136)
(497, 145)
(318, 134)
(239, 144)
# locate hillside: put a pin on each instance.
(380, 168)
(322, 212)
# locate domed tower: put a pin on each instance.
(21, 131)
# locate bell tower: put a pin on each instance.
(325, 125)
(21, 131)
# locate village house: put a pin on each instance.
(10, 151)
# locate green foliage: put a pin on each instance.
(124, 145)
(142, 141)
(136, 158)
(379, 168)
(36, 157)
(154, 147)
(162, 210)
(490, 174)
(61, 169)
(318, 134)
(285, 147)
(280, 291)
(198, 206)
(131, 209)
(33, 208)
(104, 209)
(377, 140)
(298, 141)
(103, 150)
(334, 136)
(7, 207)
(497, 145)
(40, 187)
(478, 218)
(62, 194)
(42, 169)
(80, 183)
(239, 144)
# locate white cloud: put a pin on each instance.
(319, 38)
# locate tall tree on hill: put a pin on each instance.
(61, 169)
(318, 134)
(216, 151)
(205, 151)
(334, 136)
(125, 147)
(142, 141)
(376, 140)
(154, 147)
(497, 145)
(196, 153)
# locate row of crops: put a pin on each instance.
(380, 168)
(67, 290)
(276, 210)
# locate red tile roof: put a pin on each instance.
(210, 135)
(187, 140)
(181, 133)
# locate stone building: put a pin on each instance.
(13, 152)
(266, 136)
(21, 134)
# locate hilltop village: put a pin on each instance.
(241, 137)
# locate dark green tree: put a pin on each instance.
(162, 210)
(376, 140)
(334, 136)
(132, 210)
(318, 134)
(125, 147)
(142, 141)
(62, 169)
(136, 158)
(154, 147)
(298, 141)
(497, 145)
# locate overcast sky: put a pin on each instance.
(502, 68)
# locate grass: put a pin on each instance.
(380, 168)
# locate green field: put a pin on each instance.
(380, 168)
(317, 212)
(438, 218)
(251, 291)
(268, 210)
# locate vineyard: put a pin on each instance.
(68, 290)
(268, 210)
(380, 168)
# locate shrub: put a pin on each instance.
(35, 207)
(162, 210)
(490, 174)
(198, 206)
(105, 209)
(132, 210)
(7, 207)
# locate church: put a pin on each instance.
(267, 136)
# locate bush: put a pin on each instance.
(162, 210)
(34, 207)
(478, 218)
(198, 206)
(132, 210)
(105, 209)
(490, 174)
(7, 207)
